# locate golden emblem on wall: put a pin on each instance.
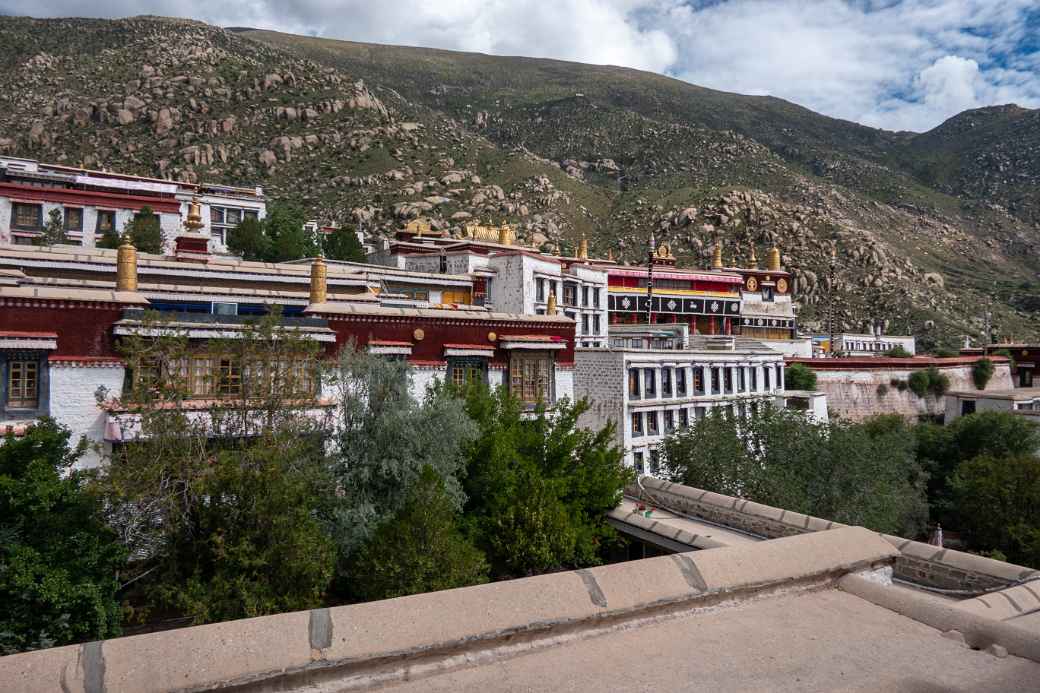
(492, 336)
(752, 284)
(664, 251)
(418, 334)
(781, 285)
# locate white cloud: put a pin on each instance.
(898, 64)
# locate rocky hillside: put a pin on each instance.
(932, 230)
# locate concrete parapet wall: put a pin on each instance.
(304, 644)
(918, 562)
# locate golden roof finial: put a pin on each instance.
(753, 261)
(583, 248)
(716, 260)
(505, 235)
(610, 255)
(126, 267)
(319, 281)
(774, 259)
(550, 305)
(194, 221)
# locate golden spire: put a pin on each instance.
(583, 248)
(773, 265)
(550, 306)
(126, 267)
(194, 221)
(753, 260)
(505, 235)
(716, 260)
(610, 255)
(319, 281)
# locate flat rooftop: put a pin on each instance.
(824, 640)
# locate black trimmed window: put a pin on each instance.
(27, 216)
(637, 424)
(106, 220)
(666, 382)
(680, 382)
(466, 370)
(25, 384)
(633, 383)
(74, 219)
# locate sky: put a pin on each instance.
(893, 64)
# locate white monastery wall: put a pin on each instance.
(72, 402)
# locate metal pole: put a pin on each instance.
(650, 281)
(830, 307)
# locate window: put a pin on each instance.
(655, 461)
(716, 379)
(652, 424)
(765, 379)
(666, 382)
(73, 219)
(466, 371)
(779, 377)
(967, 407)
(23, 384)
(570, 294)
(234, 217)
(649, 382)
(700, 412)
(27, 216)
(595, 324)
(216, 215)
(1025, 377)
(633, 383)
(225, 308)
(584, 295)
(727, 379)
(742, 379)
(684, 417)
(754, 378)
(767, 294)
(680, 382)
(637, 462)
(595, 298)
(229, 378)
(106, 220)
(698, 381)
(529, 377)
(584, 323)
(637, 424)
(540, 289)
(669, 421)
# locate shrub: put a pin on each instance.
(981, 373)
(918, 383)
(800, 377)
(58, 560)
(897, 352)
(882, 390)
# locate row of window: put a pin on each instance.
(665, 421)
(223, 219)
(870, 346)
(589, 295)
(29, 217)
(674, 381)
(530, 375)
(213, 375)
(639, 462)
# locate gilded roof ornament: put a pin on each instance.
(194, 221)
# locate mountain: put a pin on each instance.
(932, 229)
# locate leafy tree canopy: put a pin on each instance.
(860, 474)
(279, 237)
(798, 376)
(54, 230)
(420, 549)
(144, 231)
(59, 562)
(342, 244)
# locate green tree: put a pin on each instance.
(421, 549)
(249, 240)
(897, 352)
(798, 376)
(862, 474)
(54, 230)
(385, 438)
(226, 511)
(538, 485)
(288, 239)
(144, 231)
(996, 501)
(342, 244)
(942, 449)
(110, 239)
(981, 373)
(59, 562)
